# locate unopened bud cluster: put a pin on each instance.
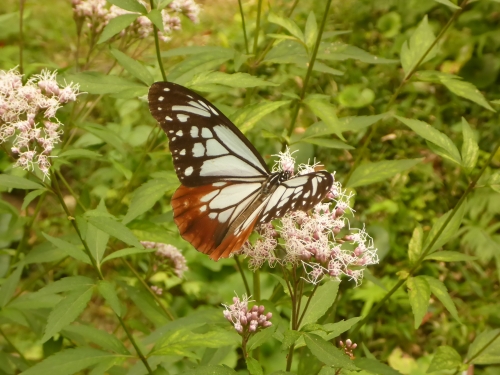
(169, 256)
(28, 116)
(317, 240)
(348, 347)
(247, 320)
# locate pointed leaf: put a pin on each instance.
(420, 294)
(434, 136)
(448, 3)
(31, 196)
(66, 284)
(246, 118)
(327, 353)
(133, 66)
(130, 5)
(287, 24)
(326, 112)
(67, 311)
(97, 336)
(321, 301)
(441, 293)
(16, 182)
(115, 229)
(311, 31)
(96, 240)
(485, 348)
(375, 367)
(125, 252)
(445, 358)
(336, 329)
(449, 256)
(260, 338)
(116, 25)
(231, 80)
(9, 286)
(68, 248)
(466, 90)
(107, 290)
(470, 149)
(412, 50)
(99, 83)
(448, 232)
(253, 366)
(370, 173)
(415, 245)
(328, 143)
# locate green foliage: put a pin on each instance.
(401, 101)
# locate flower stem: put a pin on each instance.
(244, 27)
(373, 129)
(21, 35)
(240, 269)
(257, 28)
(157, 47)
(431, 244)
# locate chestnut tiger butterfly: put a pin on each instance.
(226, 187)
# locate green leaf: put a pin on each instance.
(327, 353)
(419, 292)
(31, 196)
(446, 148)
(375, 367)
(470, 149)
(68, 248)
(336, 329)
(97, 336)
(116, 25)
(98, 83)
(68, 361)
(199, 63)
(321, 301)
(130, 5)
(133, 66)
(449, 256)
(67, 311)
(146, 196)
(80, 153)
(448, 3)
(96, 240)
(106, 134)
(9, 286)
(414, 49)
(115, 229)
(339, 51)
(146, 304)
(107, 290)
(199, 50)
(246, 117)
(415, 245)
(357, 123)
(494, 181)
(66, 284)
(441, 293)
(356, 96)
(328, 143)
(16, 182)
(210, 370)
(450, 230)
(287, 24)
(370, 173)
(466, 90)
(261, 338)
(326, 112)
(225, 79)
(485, 349)
(289, 338)
(445, 358)
(311, 32)
(253, 366)
(156, 17)
(124, 252)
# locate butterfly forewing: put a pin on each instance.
(206, 147)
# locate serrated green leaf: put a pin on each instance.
(446, 146)
(16, 182)
(107, 290)
(326, 112)
(328, 143)
(115, 229)
(106, 134)
(289, 338)
(225, 79)
(448, 3)
(449, 256)
(466, 90)
(415, 245)
(321, 301)
(470, 148)
(31, 196)
(261, 338)
(438, 289)
(445, 358)
(80, 153)
(198, 64)
(146, 304)
(253, 366)
(370, 173)
(419, 292)
(98, 83)
(130, 5)
(133, 66)
(116, 25)
(485, 349)
(65, 284)
(96, 240)
(246, 118)
(68, 248)
(336, 329)
(156, 17)
(375, 367)
(69, 361)
(9, 286)
(339, 51)
(327, 353)
(287, 24)
(450, 230)
(124, 252)
(146, 196)
(67, 311)
(311, 31)
(413, 50)
(97, 336)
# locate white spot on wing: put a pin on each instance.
(188, 171)
(182, 118)
(217, 184)
(179, 133)
(168, 118)
(223, 216)
(166, 89)
(203, 208)
(161, 98)
(212, 215)
(194, 132)
(206, 133)
(209, 196)
(198, 150)
(183, 152)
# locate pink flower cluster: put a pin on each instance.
(168, 255)
(245, 320)
(22, 106)
(98, 16)
(316, 240)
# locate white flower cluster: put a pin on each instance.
(245, 320)
(22, 106)
(98, 16)
(168, 254)
(313, 239)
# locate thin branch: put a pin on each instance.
(244, 278)
(157, 47)
(244, 27)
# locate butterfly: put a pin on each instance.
(226, 187)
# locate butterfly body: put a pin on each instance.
(226, 187)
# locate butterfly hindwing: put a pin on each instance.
(206, 146)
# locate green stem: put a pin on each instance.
(373, 129)
(21, 35)
(244, 27)
(13, 346)
(257, 28)
(469, 360)
(309, 69)
(157, 47)
(429, 247)
(240, 270)
(71, 191)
